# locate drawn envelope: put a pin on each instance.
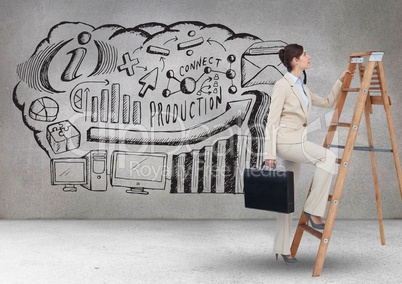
(260, 64)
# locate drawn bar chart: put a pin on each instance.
(111, 107)
(115, 106)
(212, 169)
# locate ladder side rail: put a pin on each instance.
(340, 181)
(375, 177)
(367, 111)
(384, 94)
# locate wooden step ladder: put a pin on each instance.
(372, 79)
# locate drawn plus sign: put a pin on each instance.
(128, 64)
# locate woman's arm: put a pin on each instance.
(275, 110)
(332, 98)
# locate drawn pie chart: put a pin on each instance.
(78, 99)
(44, 109)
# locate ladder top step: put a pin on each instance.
(364, 53)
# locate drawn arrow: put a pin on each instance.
(209, 79)
(163, 61)
(175, 39)
(211, 40)
(138, 48)
(87, 91)
(235, 114)
(202, 90)
(148, 82)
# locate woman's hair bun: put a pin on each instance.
(282, 55)
(292, 50)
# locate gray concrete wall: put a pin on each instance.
(30, 72)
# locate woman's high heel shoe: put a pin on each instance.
(286, 259)
(314, 225)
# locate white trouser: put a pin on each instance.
(294, 155)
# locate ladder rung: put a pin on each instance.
(350, 89)
(310, 230)
(361, 148)
(338, 161)
(375, 72)
(377, 100)
(340, 124)
(356, 90)
(330, 198)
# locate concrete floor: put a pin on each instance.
(190, 251)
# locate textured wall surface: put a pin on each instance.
(219, 31)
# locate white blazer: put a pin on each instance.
(288, 114)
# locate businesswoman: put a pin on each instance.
(286, 137)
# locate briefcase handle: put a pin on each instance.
(269, 168)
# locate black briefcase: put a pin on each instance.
(269, 190)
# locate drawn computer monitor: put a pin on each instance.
(68, 172)
(138, 171)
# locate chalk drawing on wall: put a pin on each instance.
(63, 136)
(177, 108)
(68, 172)
(138, 171)
(44, 109)
(254, 69)
(88, 171)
